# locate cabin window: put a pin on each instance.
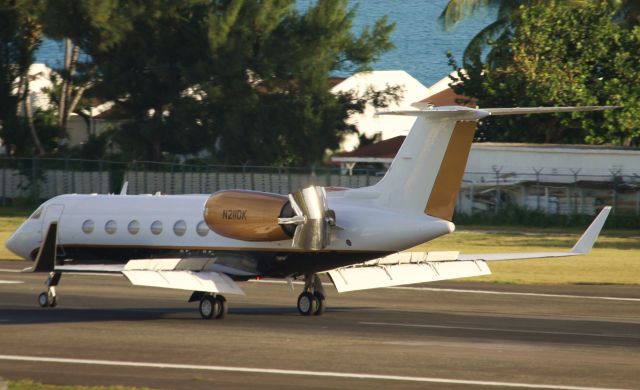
(36, 214)
(111, 226)
(180, 228)
(156, 227)
(133, 227)
(87, 226)
(202, 229)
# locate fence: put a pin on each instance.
(36, 179)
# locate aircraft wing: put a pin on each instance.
(193, 274)
(582, 247)
(421, 267)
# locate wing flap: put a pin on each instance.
(376, 276)
(91, 268)
(184, 280)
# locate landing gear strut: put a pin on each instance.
(211, 305)
(49, 298)
(311, 301)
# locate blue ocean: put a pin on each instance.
(420, 40)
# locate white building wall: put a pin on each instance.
(370, 124)
(559, 163)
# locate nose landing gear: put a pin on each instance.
(312, 300)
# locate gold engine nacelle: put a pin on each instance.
(248, 215)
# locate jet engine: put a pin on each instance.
(246, 215)
(259, 216)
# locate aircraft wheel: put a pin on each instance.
(321, 305)
(223, 307)
(53, 301)
(307, 304)
(208, 307)
(43, 299)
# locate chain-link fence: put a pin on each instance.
(37, 179)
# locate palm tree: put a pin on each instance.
(457, 10)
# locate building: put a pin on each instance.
(553, 178)
(367, 122)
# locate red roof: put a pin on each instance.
(447, 97)
(383, 149)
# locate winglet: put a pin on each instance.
(123, 191)
(585, 243)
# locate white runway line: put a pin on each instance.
(14, 271)
(438, 289)
(515, 293)
(11, 282)
(526, 331)
(276, 371)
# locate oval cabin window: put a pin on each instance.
(134, 227)
(156, 227)
(180, 228)
(202, 229)
(87, 226)
(111, 226)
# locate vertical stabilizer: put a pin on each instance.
(426, 173)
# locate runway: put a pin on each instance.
(451, 335)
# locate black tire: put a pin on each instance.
(43, 299)
(208, 307)
(321, 304)
(53, 301)
(223, 307)
(307, 304)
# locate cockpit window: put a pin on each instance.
(36, 214)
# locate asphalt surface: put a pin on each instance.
(452, 335)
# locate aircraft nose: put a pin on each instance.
(12, 244)
(20, 244)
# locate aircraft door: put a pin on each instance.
(51, 214)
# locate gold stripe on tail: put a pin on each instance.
(442, 200)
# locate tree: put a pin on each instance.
(508, 12)
(20, 36)
(272, 102)
(246, 81)
(90, 27)
(583, 57)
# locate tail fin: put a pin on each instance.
(426, 174)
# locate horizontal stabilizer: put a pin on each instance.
(467, 113)
(388, 275)
(544, 110)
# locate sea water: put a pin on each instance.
(421, 41)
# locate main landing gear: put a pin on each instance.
(311, 301)
(211, 305)
(48, 298)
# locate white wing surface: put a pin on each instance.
(193, 274)
(421, 267)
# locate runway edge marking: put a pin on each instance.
(436, 289)
(454, 290)
(473, 328)
(276, 371)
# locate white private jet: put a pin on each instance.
(207, 243)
